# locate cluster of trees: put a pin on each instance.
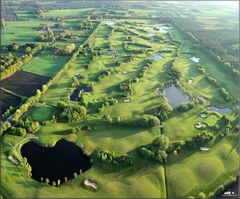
(217, 44)
(72, 130)
(134, 50)
(71, 112)
(220, 188)
(67, 49)
(10, 64)
(24, 107)
(185, 106)
(108, 102)
(157, 150)
(137, 120)
(105, 73)
(7, 113)
(4, 126)
(174, 73)
(200, 69)
(27, 166)
(23, 127)
(225, 94)
(175, 146)
(47, 37)
(199, 139)
(85, 24)
(228, 125)
(142, 120)
(162, 111)
(126, 87)
(143, 71)
(107, 157)
(18, 131)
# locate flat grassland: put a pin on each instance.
(45, 64)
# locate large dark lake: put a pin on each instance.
(57, 162)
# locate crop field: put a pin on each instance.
(8, 100)
(24, 83)
(133, 106)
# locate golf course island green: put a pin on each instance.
(119, 100)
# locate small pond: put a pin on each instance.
(57, 162)
(75, 95)
(175, 95)
(222, 111)
(157, 57)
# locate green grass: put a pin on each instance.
(46, 64)
(187, 174)
(40, 112)
(203, 171)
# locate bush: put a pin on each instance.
(186, 106)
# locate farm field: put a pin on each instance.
(8, 100)
(114, 102)
(24, 83)
(50, 64)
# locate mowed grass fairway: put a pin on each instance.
(46, 64)
(203, 171)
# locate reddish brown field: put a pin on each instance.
(7, 100)
(24, 83)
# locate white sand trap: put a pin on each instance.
(204, 115)
(90, 183)
(204, 148)
(15, 161)
(110, 23)
(200, 125)
(195, 59)
(127, 100)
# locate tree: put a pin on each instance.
(201, 195)
(162, 142)
(75, 175)
(53, 183)
(15, 47)
(47, 181)
(175, 152)
(2, 23)
(58, 182)
(68, 49)
(28, 50)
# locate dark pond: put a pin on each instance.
(219, 110)
(57, 162)
(75, 95)
(175, 95)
